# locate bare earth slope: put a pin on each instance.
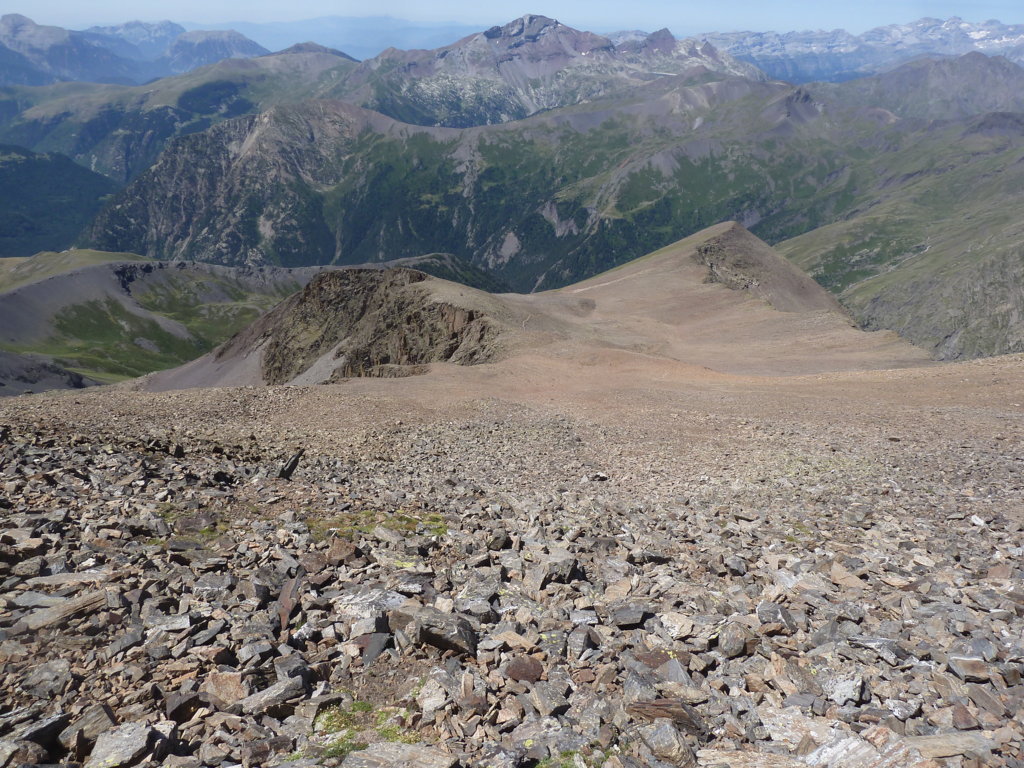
(580, 551)
(721, 299)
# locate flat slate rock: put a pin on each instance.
(392, 755)
(124, 745)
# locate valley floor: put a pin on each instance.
(618, 561)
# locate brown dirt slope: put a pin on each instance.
(721, 299)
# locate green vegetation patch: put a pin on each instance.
(353, 523)
(104, 336)
(349, 729)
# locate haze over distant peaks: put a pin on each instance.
(134, 52)
(838, 55)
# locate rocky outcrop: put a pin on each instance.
(740, 261)
(364, 323)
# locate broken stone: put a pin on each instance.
(733, 639)
(274, 699)
(969, 669)
(666, 743)
(525, 668)
(549, 698)
(446, 631)
(124, 745)
(227, 687)
(93, 721)
(392, 755)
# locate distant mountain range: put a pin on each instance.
(362, 37)
(137, 52)
(504, 73)
(801, 57)
(540, 154)
(33, 54)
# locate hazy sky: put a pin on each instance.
(680, 16)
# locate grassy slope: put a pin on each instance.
(16, 272)
(938, 256)
(100, 337)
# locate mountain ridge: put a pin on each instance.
(838, 55)
(131, 53)
(112, 315)
(694, 302)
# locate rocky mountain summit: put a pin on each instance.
(200, 48)
(137, 39)
(508, 72)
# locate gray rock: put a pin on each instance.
(273, 699)
(549, 698)
(733, 639)
(626, 614)
(124, 745)
(667, 743)
(93, 721)
(43, 732)
(847, 690)
(773, 613)
(390, 755)
(446, 631)
(48, 679)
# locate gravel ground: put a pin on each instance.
(505, 566)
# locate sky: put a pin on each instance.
(682, 17)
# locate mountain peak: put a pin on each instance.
(529, 27)
(14, 21)
(311, 47)
(548, 35)
(661, 41)
(21, 33)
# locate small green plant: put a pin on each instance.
(355, 522)
(349, 726)
(168, 511)
(568, 760)
(341, 748)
